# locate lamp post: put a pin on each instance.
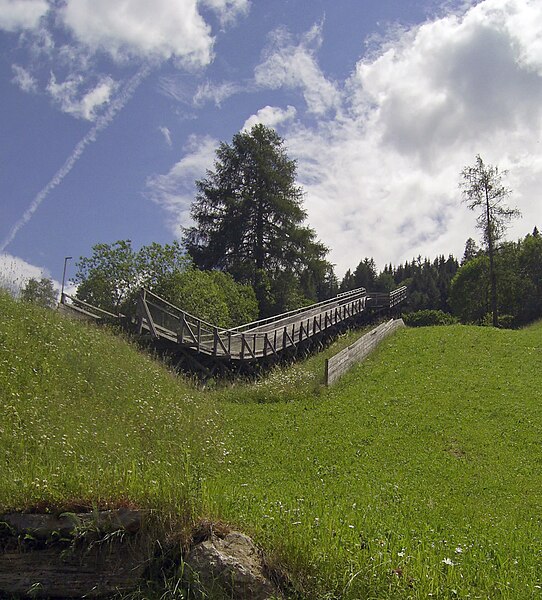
(66, 259)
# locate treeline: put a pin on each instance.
(428, 281)
(463, 289)
(518, 270)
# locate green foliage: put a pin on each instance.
(210, 295)
(428, 282)
(471, 251)
(249, 218)
(112, 276)
(240, 299)
(425, 318)
(519, 284)
(108, 278)
(40, 292)
(469, 295)
(505, 321)
(530, 267)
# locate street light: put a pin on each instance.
(66, 259)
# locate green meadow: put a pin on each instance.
(418, 475)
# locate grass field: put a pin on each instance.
(417, 476)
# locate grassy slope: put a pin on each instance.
(86, 419)
(427, 454)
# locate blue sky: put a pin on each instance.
(111, 111)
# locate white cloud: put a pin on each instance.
(159, 30)
(294, 66)
(272, 116)
(17, 15)
(382, 177)
(15, 272)
(227, 10)
(167, 135)
(216, 93)
(23, 79)
(84, 105)
(175, 191)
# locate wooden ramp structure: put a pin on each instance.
(197, 346)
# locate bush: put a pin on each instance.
(505, 321)
(425, 318)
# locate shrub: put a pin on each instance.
(505, 321)
(425, 318)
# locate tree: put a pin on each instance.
(484, 191)
(108, 278)
(365, 274)
(114, 274)
(210, 295)
(40, 292)
(471, 251)
(248, 214)
(530, 265)
(469, 290)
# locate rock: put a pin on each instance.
(232, 565)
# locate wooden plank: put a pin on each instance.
(245, 344)
(150, 322)
(218, 342)
(190, 331)
(268, 343)
(286, 336)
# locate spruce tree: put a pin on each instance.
(249, 216)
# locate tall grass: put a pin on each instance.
(417, 476)
(85, 419)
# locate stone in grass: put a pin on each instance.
(230, 565)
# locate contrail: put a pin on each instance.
(116, 105)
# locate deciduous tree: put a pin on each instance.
(41, 292)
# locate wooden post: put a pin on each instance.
(180, 335)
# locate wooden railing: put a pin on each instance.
(257, 339)
(88, 310)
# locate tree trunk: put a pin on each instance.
(491, 251)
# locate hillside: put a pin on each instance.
(417, 476)
(86, 419)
